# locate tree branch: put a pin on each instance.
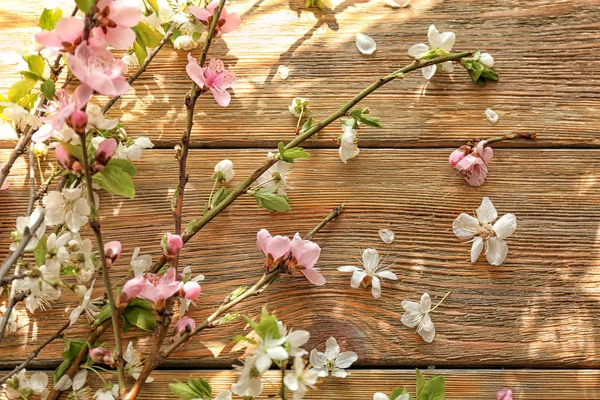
(14, 256)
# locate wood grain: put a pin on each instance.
(360, 385)
(540, 308)
(544, 53)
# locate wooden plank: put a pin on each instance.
(469, 384)
(538, 309)
(543, 52)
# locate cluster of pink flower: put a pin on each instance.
(293, 255)
(472, 162)
(89, 60)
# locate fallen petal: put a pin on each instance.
(365, 44)
(397, 4)
(386, 235)
(283, 72)
(491, 115)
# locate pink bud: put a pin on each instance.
(191, 290)
(106, 149)
(101, 356)
(131, 289)
(79, 120)
(112, 250)
(486, 153)
(504, 394)
(458, 155)
(64, 158)
(185, 324)
(172, 244)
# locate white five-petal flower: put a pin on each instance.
(276, 175)
(249, 382)
(437, 40)
(133, 365)
(372, 269)
(68, 207)
(483, 234)
(85, 306)
(299, 379)
(26, 223)
(417, 314)
(332, 361)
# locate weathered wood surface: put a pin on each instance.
(540, 308)
(360, 385)
(544, 51)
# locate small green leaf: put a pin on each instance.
(103, 315)
(397, 392)
(20, 89)
(85, 5)
(420, 382)
(365, 119)
(240, 338)
(49, 18)
(220, 195)
(309, 123)
(434, 389)
(140, 317)
(267, 326)
(70, 351)
(115, 180)
(31, 75)
(35, 63)
(237, 292)
(150, 36)
(61, 369)
(39, 252)
(292, 154)
(141, 303)
(140, 51)
(183, 391)
(228, 318)
(48, 89)
(154, 5)
(272, 201)
(200, 386)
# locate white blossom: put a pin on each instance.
(300, 106)
(417, 314)
(96, 119)
(22, 386)
(332, 361)
(249, 383)
(486, 59)
(437, 40)
(224, 395)
(483, 234)
(365, 44)
(269, 349)
(372, 269)
(106, 393)
(41, 292)
(133, 366)
(19, 115)
(348, 143)
(133, 152)
(67, 207)
(11, 326)
(185, 42)
(224, 170)
(140, 264)
(276, 175)
(85, 306)
(56, 250)
(299, 379)
(26, 223)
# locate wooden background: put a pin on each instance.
(530, 324)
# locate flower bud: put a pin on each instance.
(106, 149)
(78, 121)
(131, 289)
(65, 159)
(185, 324)
(185, 42)
(40, 150)
(504, 394)
(224, 171)
(101, 356)
(458, 154)
(191, 290)
(172, 244)
(112, 250)
(80, 291)
(486, 59)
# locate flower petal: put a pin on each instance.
(376, 290)
(411, 306)
(388, 275)
(232, 22)
(428, 335)
(476, 248)
(434, 36)
(418, 50)
(425, 303)
(429, 72)
(505, 226)
(339, 373)
(222, 97)
(348, 268)
(496, 251)
(447, 40)
(357, 278)
(411, 318)
(365, 44)
(332, 349)
(314, 276)
(465, 226)
(486, 212)
(345, 359)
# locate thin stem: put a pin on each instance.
(143, 67)
(332, 215)
(283, 366)
(95, 225)
(34, 353)
(9, 307)
(440, 302)
(511, 136)
(211, 194)
(27, 235)
(31, 181)
(299, 119)
(197, 225)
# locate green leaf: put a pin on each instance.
(48, 89)
(292, 154)
(141, 303)
(420, 382)
(31, 75)
(103, 315)
(61, 369)
(125, 165)
(309, 123)
(240, 338)
(183, 391)
(139, 316)
(35, 63)
(154, 5)
(150, 36)
(399, 392)
(371, 121)
(85, 5)
(115, 180)
(433, 389)
(220, 195)
(272, 201)
(140, 51)
(39, 252)
(49, 18)
(267, 326)
(70, 351)
(20, 89)
(200, 386)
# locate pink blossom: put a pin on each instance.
(473, 167)
(114, 20)
(504, 394)
(185, 324)
(172, 245)
(191, 290)
(215, 77)
(306, 254)
(98, 69)
(486, 153)
(60, 110)
(65, 36)
(227, 22)
(106, 149)
(458, 155)
(112, 250)
(159, 288)
(131, 290)
(275, 248)
(101, 355)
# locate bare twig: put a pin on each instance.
(333, 215)
(27, 235)
(9, 307)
